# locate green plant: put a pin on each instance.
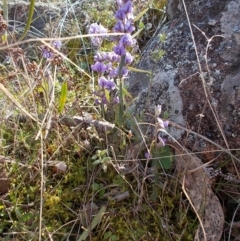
(101, 158)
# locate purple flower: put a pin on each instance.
(113, 73)
(129, 28)
(96, 41)
(166, 123)
(148, 155)
(120, 15)
(104, 100)
(127, 8)
(97, 102)
(99, 67)
(98, 57)
(109, 66)
(102, 81)
(96, 29)
(110, 85)
(112, 57)
(106, 84)
(120, 3)
(124, 71)
(57, 44)
(128, 58)
(118, 27)
(119, 50)
(47, 54)
(105, 62)
(127, 40)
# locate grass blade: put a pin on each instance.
(96, 220)
(63, 97)
(30, 15)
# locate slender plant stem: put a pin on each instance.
(5, 16)
(121, 104)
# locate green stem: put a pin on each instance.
(121, 110)
(102, 111)
(121, 104)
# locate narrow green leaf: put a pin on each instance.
(126, 93)
(30, 15)
(107, 95)
(166, 157)
(96, 220)
(63, 97)
(137, 33)
(141, 25)
(140, 70)
(140, 14)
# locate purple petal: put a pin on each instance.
(120, 15)
(128, 58)
(57, 44)
(120, 3)
(129, 28)
(112, 57)
(109, 66)
(47, 54)
(124, 71)
(98, 57)
(127, 40)
(104, 100)
(118, 27)
(99, 67)
(102, 29)
(97, 102)
(102, 81)
(96, 29)
(96, 41)
(119, 50)
(113, 73)
(110, 85)
(166, 123)
(127, 8)
(148, 155)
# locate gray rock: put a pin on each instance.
(44, 13)
(50, 19)
(176, 82)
